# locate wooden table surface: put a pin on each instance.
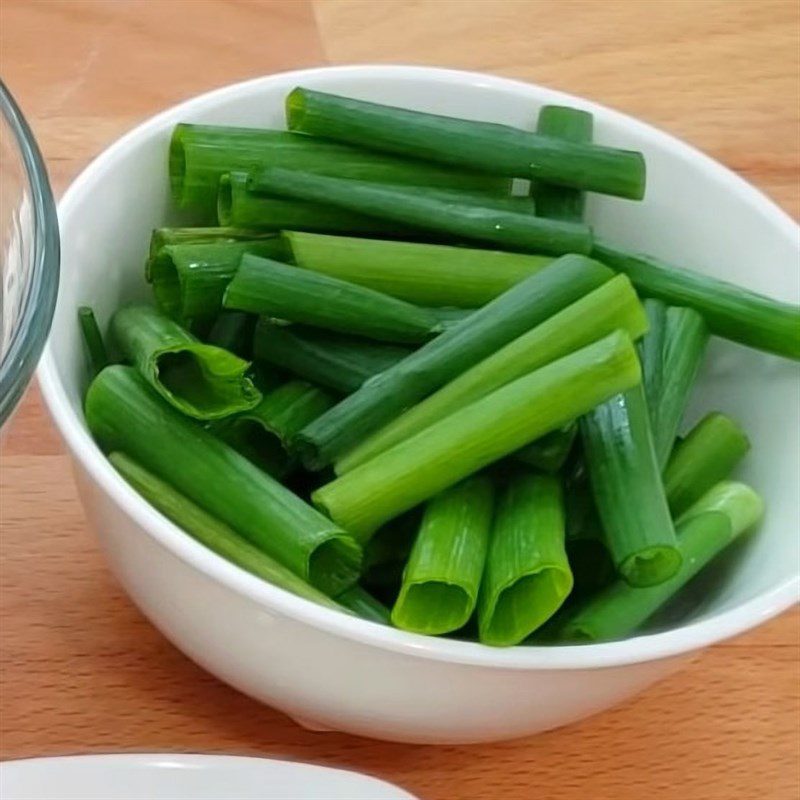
(82, 671)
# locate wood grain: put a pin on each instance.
(82, 671)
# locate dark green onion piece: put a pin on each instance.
(527, 574)
(525, 305)
(549, 453)
(612, 306)
(707, 528)
(332, 360)
(571, 125)
(124, 413)
(441, 211)
(211, 532)
(263, 433)
(233, 330)
(363, 604)
(473, 437)
(237, 205)
(427, 274)
(441, 580)
(161, 237)
(200, 154)
(93, 339)
(201, 380)
(627, 488)
(729, 311)
(276, 290)
(707, 454)
(189, 279)
(487, 146)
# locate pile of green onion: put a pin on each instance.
(376, 377)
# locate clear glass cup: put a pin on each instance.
(29, 254)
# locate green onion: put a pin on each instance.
(627, 488)
(95, 347)
(201, 380)
(276, 290)
(477, 435)
(200, 154)
(523, 306)
(487, 146)
(729, 311)
(441, 211)
(363, 604)
(527, 574)
(441, 580)
(707, 455)
(124, 413)
(427, 274)
(237, 205)
(211, 532)
(161, 237)
(233, 330)
(571, 125)
(263, 433)
(549, 453)
(671, 352)
(335, 361)
(190, 279)
(613, 305)
(722, 514)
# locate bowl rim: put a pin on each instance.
(27, 339)
(88, 455)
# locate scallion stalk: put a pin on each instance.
(479, 434)
(201, 380)
(487, 146)
(527, 574)
(161, 237)
(125, 414)
(358, 600)
(500, 222)
(612, 306)
(443, 575)
(93, 339)
(525, 305)
(262, 286)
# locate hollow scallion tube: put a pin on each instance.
(237, 205)
(161, 237)
(263, 433)
(726, 511)
(549, 453)
(363, 604)
(93, 339)
(189, 279)
(200, 380)
(527, 575)
(627, 488)
(200, 154)
(487, 146)
(707, 454)
(332, 360)
(213, 533)
(125, 414)
(523, 306)
(276, 290)
(729, 311)
(441, 211)
(571, 125)
(612, 306)
(427, 274)
(443, 575)
(479, 434)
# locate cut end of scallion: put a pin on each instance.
(412, 612)
(651, 566)
(335, 565)
(295, 109)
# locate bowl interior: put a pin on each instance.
(696, 214)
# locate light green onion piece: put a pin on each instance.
(441, 580)
(527, 574)
(200, 380)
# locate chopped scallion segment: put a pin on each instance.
(93, 339)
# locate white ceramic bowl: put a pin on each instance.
(329, 670)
